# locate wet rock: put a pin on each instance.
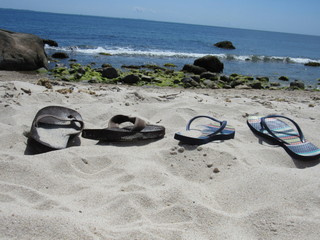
(283, 78)
(210, 63)
(225, 45)
(297, 85)
(312, 64)
(209, 75)
(60, 55)
(193, 69)
(131, 79)
(110, 73)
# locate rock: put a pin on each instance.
(60, 55)
(21, 51)
(263, 79)
(106, 65)
(256, 84)
(284, 78)
(297, 84)
(193, 69)
(210, 63)
(225, 45)
(110, 73)
(209, 75)
(210, 84)
(131, 79)
(189, 82)
(224, 78)
(312, 64)
(50, 42)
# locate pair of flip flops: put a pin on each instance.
(273, 127)
(55, 127)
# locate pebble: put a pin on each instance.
(181, 150)
(209, 165)
(199, 148)
(216, 170)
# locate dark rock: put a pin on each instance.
(256, 84)
(131, 66)
(60, 55)
(189, 82)
(196, 78)
(263, 79)
(131, 79)
(21, 52)
(209, 75)
(225, 78)
(147, 78)
(51, 43)
(312, 64)
(210, 84)
(110, 73)
(193, 69)
(238, 81)
(284, 78)
(225, 45)
(297, 84)
(210, 63)
(106, 65)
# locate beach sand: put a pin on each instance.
(156, 189)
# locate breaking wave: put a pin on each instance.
(127, 51)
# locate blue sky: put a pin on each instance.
(293, 16)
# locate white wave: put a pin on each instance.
(127, 51)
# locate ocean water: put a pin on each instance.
(137, 42)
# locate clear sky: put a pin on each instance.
(293, 16)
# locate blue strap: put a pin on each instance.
(223, 124)
(265, 126)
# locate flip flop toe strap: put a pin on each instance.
(223, 124)
(265, 126)
(50, 119)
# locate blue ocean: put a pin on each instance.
(137, 42)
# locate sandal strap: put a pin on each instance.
(72, 119)
(266, 127)
(223, 124)
(115, 121)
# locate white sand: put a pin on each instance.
(155, 190)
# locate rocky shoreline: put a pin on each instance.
(191, 76)
(204, 72)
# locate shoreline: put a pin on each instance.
(243, 188)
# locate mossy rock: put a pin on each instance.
(312, 64)
(170, 65)
(256, 84)
(238, 81)
(283, 78)
(263, 79)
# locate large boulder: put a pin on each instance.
(210, 63)
(21, 51)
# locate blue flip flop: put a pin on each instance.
(204, 133)
(279, 132)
